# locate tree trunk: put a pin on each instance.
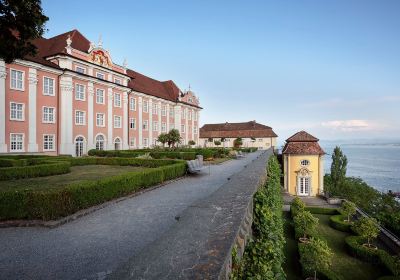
(315, 275)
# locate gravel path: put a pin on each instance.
(95, 245)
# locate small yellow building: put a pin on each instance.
(303, 162)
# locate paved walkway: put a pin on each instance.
(95, 245)
(308, 200)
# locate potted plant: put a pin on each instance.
(316, 255)
(306, 223)
(349, 209)
(191, 143)
(367, 228)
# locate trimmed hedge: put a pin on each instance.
(337, 222)
(43, 169)
(322, 211)
(380, 257)
(66, 200)
(154, 154)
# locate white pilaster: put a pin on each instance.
(32, 145)
(168, 117)
(186, 127)
(3, 75)
(159, 117)
(150, 123)
(67, 116)
(140, 122)
(110, 122)
(321, 174)
(125, 128)
(90, 116)
(178, 116)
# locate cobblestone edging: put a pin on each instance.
(200, 245)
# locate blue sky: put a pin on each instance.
(329, 67)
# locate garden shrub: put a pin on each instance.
(43, 169)
(296, 206)
(63, 201)
(337, 222)
(156, 154)
(263, 256)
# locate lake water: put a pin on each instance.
(378, 164)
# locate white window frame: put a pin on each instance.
(304, 162)
(195, 129)
(163, 127)
(145, 125)
(117, 101)
(48, 93)
(100, 75)
(132, 142)
(22, 142)
(97, 142)
(132, 121)
(190, 115)
(145, 106)
(145, 142)
(172, 113)
(155, 125)
(103, 120)
(52, 143)
(22, 88)
(76, 92)
(305, 183)
(119, 118)
(155, 109)
(97, 95)
(163, 110)
(119, 81)
(132, 104)
(44, 114)
(183, 128)
(16, 113)
(84, 117)
(80, 67)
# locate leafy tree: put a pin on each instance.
(238, 142)
(306, 223)
(191, 143)
(316, 255)
(349, 209)
(21, 21)
(217, 143)
(163, 138)
(367, 228)
(173, 138)
(338, 167)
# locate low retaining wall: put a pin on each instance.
(200, 245)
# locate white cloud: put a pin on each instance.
(350, 125)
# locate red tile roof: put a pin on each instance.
(139, 82)
(302, 143)
(302, 136)
(234, 130)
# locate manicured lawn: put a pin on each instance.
(291, 266)
(343, 264)
(77, 174)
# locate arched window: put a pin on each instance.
(99, 142)
(79, 146)
(117, 144)
(305, 162)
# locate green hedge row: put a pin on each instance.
(323, 211)
(263, 256)
(38, 170)
(337, 222)
(380, 257)
(66, 200)
(153, 154)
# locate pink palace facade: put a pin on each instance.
(71, 97)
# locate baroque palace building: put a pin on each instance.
(71, 97)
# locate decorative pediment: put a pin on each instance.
(100, 57)
(303, 172)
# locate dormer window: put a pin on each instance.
(305, 162)
(80, 69)
(100, 75)
(190, 100)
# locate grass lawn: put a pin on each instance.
(343, 264)
(291, 266)
(77, 174)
